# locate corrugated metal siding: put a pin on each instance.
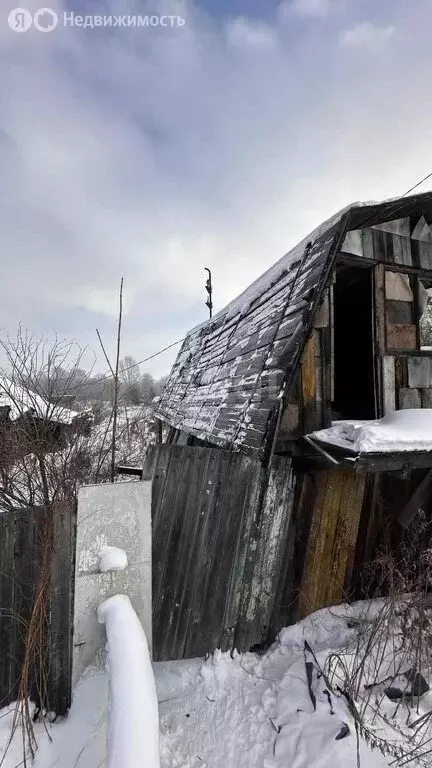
(219, 531)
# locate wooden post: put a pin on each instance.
(309, 386)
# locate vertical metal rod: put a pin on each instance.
(209, 289)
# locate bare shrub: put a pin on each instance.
(383, 673)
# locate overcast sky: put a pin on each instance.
(151, 153)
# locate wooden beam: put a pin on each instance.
(134, 471)
(380, 308)
(417, 499)
(321, 450)
(309, 385)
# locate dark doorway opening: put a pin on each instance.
(354, 395)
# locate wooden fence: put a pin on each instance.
(24, 542)
(219, 533)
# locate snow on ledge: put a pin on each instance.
(112, 559)
(401, 431)
(133, 718)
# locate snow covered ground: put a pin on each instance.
(249, 711)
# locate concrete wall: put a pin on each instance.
(117, 515)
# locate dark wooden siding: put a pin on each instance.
(381, 536)
(26, 537)
(219, 533)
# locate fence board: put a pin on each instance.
(6, 606)
(205, 511)
(23, 545)
(62, 607)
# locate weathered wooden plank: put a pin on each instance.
(401, 373)
(426, 397)
(367, 536)
(398, 287)
(389, 384)
(419, 372)
(383, 246)
(425, 255)
(7, 538)
(390, 248)
(396, 227)
(162, 535)
(24, 586)
(309, 385)
(349, 521)
(331, 549)
(409, 398)
(314, 548)
(399, 312)
(216, 631)
(322, 319)
(353, 243)
(290, 421)
(60, 664)
(249, 509)
(401, 337)
(402, 250)
(421, 493)
(206, 553)
(199, 488)
(368, 245)
(267, 544)
(380, 313)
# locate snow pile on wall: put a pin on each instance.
(407, 430)
(112, 559)
(133, 718)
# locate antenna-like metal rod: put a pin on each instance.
(209, 289)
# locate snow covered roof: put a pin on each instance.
(409, 430)
(225, 384)
(21, 400)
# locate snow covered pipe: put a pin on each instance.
(133, 718)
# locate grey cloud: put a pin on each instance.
(151, 154)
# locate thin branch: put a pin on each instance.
(116, 383)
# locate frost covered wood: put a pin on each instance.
(133, 718)
(112, 559)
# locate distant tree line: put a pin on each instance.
(78, 386)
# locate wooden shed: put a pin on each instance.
(267, 503)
